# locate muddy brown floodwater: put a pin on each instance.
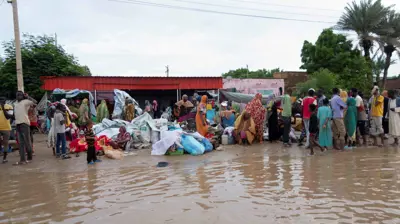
(259, 184)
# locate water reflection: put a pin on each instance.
(240, 185)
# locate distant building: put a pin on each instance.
(253, 86)
(393, 83)
(291, 78)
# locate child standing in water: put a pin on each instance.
(90, 138)
(313, 129)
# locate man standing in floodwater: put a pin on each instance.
(376, 117)
(5, 126)
(22, 121)
(338, 127)
(307, 114)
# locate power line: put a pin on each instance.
(287, 6)
(252, 9)
(134, 2)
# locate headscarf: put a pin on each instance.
(245, 123)
(343, 96)
(201, 112)
(241, 123)
(83, 111)
(129, 112)
(147, 106)
(102, 111)
(256, 109)
(155, 105)
(123, 135)
(376, 88)
(204, 99)
(64, 102)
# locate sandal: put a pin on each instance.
(65, 157)
(19, 163)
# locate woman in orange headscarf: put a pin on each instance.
(201, 122)
(245, 128)
(257, 112)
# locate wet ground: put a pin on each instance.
(258, 184)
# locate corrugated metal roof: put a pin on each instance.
(131, 83)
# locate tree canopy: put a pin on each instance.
(374, 24)
(242, 73)
(337, 54)
(322, 79)
(40, 57)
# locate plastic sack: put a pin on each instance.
(162, 146)
(196, 135)
(155, 136)
(160, 122)
(114, 154)
(145, 133)
(207, 145)
(192, 146)
(228, 131)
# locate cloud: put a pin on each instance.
(132, 40)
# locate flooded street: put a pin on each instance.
(259, 184)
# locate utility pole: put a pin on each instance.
(20, 78)
(55, 39)
(247, 67)
(167, 70)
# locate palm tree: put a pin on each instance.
(365, 18)
(389, 39)
(378, 65)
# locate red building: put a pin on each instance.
(140, 88)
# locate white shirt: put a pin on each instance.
(21, 109)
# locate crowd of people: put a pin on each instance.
(343, 122)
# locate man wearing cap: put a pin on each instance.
(307, 101)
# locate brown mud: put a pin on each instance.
(258, 184)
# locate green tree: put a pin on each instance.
(322, 79)
(389, 38)
(364, 18)
(378, 66)
(242, 73)
(334, 52)
(40, 57)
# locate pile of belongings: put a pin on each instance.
(175, 141)
(119, 102)
(143, 130)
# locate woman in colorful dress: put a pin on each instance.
(83, 115)
(325, 131)
(245, 129)
(257, 112)
(351, 122)
(273, 126)
(102, 111)
(201, 122)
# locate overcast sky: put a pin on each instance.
(115, 38)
